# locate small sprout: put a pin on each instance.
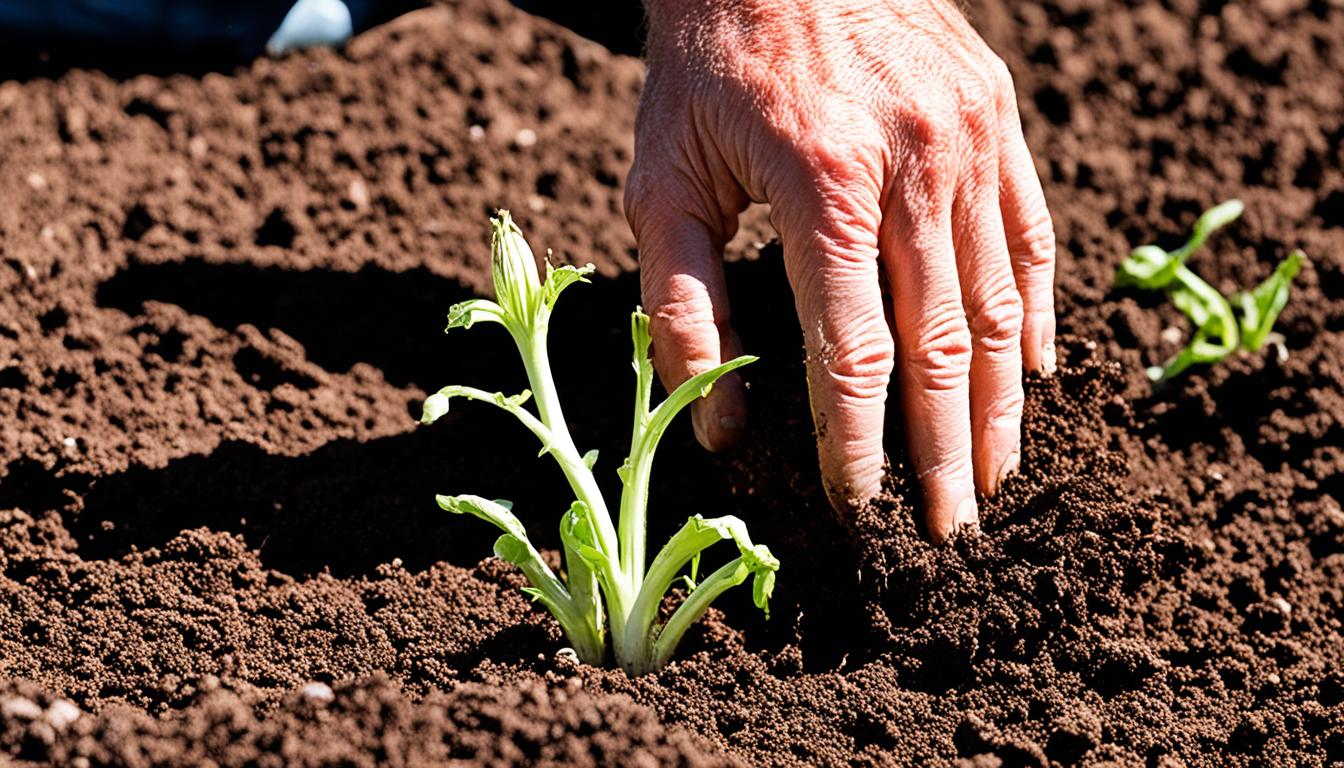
(1261, 307)
(604, 560)
(1218, 332)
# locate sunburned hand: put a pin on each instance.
(885, 137)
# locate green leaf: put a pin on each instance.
(756, 562)
(762, 589)
(587, 566)
(437, 404)
(467, 313)
(1147, 267)
(1209, 222)
(1261, 307)
(1192, 305)
(690, 390)
(1199, 350)
(1151, 268)
(560, 278)
(578, 532)
(1216, 334)
(695, 536)
(512, 549)
(590, 458)
(490, 511)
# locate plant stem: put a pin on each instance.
(634, 519)
(1218, 306)
(537, 363)
(689, 612)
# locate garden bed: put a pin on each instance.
(221, 302)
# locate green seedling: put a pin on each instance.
(1218, 332)
(604, 561)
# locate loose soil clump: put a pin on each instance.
(221, 300)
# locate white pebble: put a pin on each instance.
(21, 708)
(359, 194)
(62, 713)
(1284, 607)
(37, 180)
(476, 133)
(525, 137)
(69, 442)
(1171, 335)
(320, 692)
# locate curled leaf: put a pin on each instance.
(436, 405)
(467, 313)
(1147, 267)
(493, 512)
(1211, 221)
(560, 278)
(578, 532)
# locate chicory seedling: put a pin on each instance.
(604, 561)
(1218, 333)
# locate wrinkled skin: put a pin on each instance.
(886, 139)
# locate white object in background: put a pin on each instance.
(310, 23)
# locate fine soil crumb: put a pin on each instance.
(221, 300)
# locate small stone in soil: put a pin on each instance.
(20, 708)
(318, 692)
(62, 713)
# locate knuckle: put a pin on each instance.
(996, 320)
(979, 115)
(1006, 410)
(931, 128)
(1000, 76)
(686, 330)
(927, 170)
(939, 357)
(841, 170)
(683, 310)
(856, 362)
(637, 192)
(1035, 246)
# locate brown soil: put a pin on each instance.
(221, 300)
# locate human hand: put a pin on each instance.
(886, 139)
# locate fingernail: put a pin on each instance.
(1009, 466)
(967, 516)
(1048, 358)
(731, 423)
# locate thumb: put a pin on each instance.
(686, 298)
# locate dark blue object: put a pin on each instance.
(226, 29)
